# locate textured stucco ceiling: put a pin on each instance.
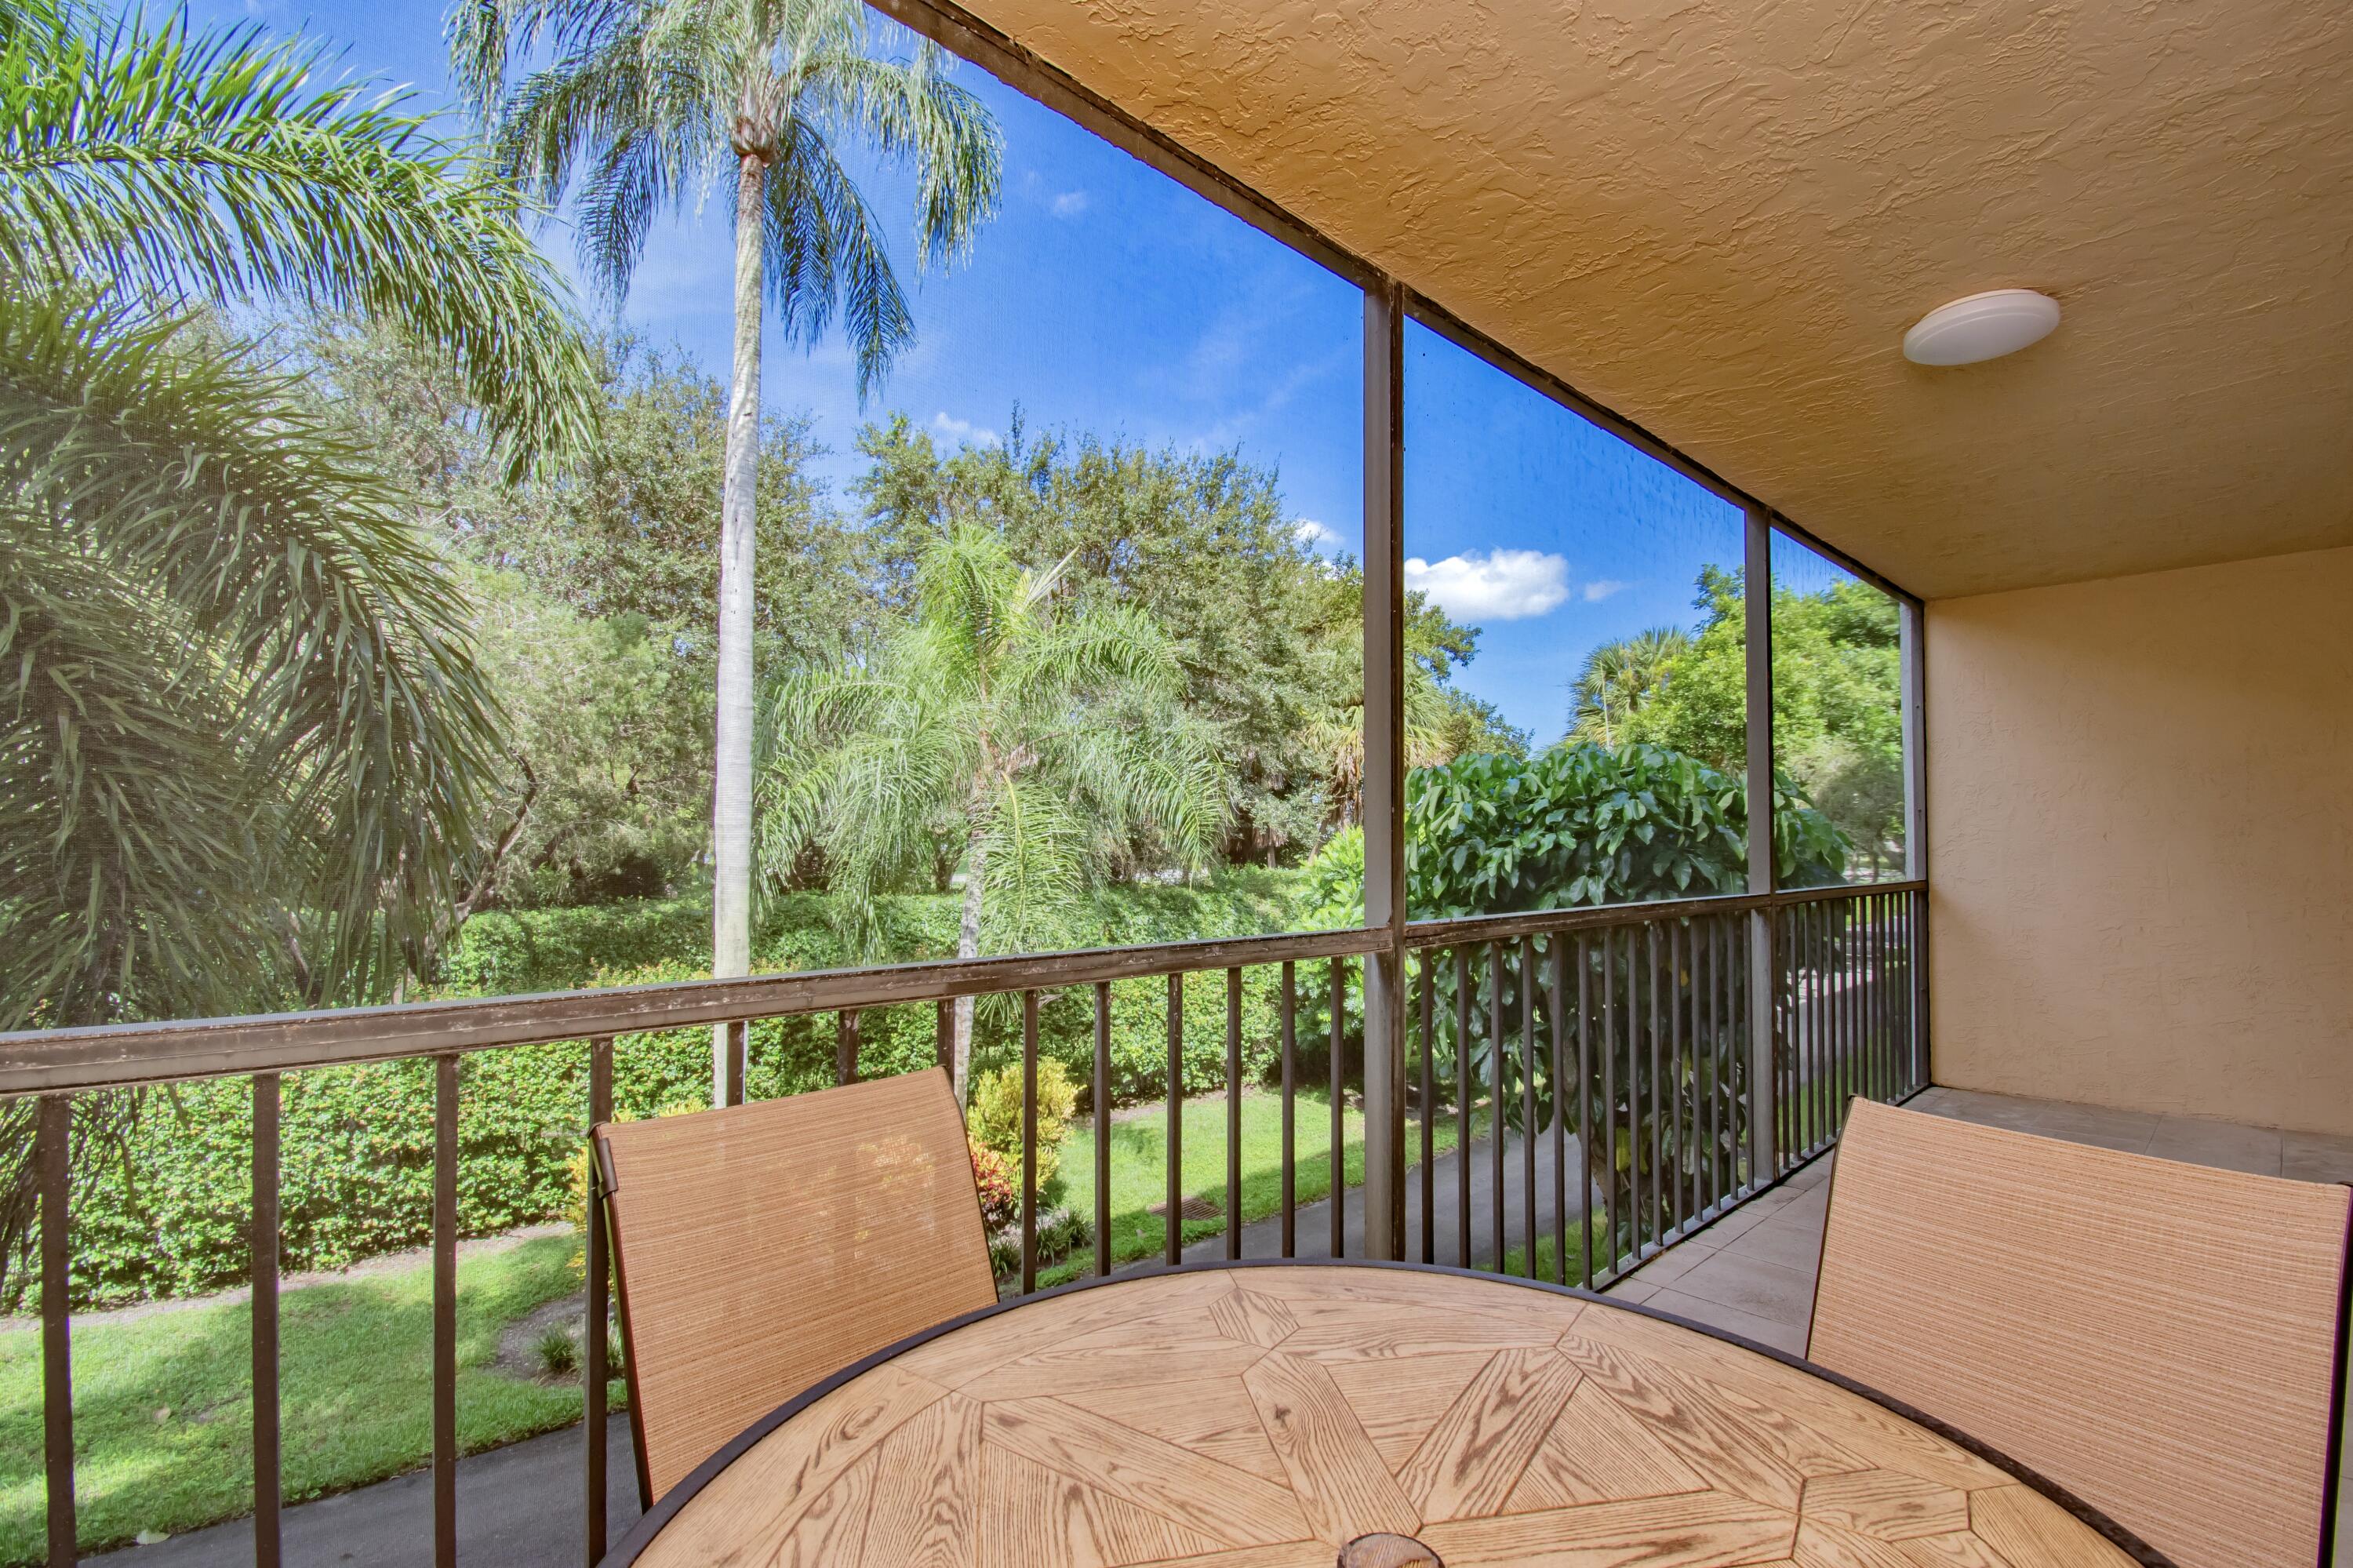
(1718, 219)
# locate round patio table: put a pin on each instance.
(1300, 1414)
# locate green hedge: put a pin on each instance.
(166, 1214)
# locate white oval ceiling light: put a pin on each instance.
(1983, 326)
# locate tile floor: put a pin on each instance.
(1752, 1272)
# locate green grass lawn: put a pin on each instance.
(164, 1408)
(1139, 1168)
(1515, 1259)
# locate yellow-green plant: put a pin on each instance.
(996, 1115)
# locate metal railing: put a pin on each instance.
(1627, 1042)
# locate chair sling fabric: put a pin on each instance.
(2160, 1339)
(761, 1247)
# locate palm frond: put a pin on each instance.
(271, 561)
(170, 162)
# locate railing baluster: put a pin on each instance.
(845, 1045)
(943, 1035)
(1656, 1212)
(1528, 1097)
(1678, 1204)
(1854, 1085)
(263, 1248)
(1858, 1049)
(1890, 1007)
(1290, 1110)
(1425, 965)
(1784, 1042)
(1233, 1112)
(1462, 1106)
(445, 1312)
(736, 1038)
(600, 1302)
(1884, 969)
(1869, 949)
(1173, 1134)
(1714, 1169)
(1818, 1087)
(1339, 1103)
(1724, 1040)
(1584, 1100)
(52, 1144)
(1029, 1141)
(1609, 1095)
(1101, 1109)
(1559, 1070)
(1495, 1102)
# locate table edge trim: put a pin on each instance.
(650, 1524)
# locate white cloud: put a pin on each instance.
(965, 429)
(1506, 585)
(1067, 204)
(1600, 589)
(1315, 534)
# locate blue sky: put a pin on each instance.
(1106, 297)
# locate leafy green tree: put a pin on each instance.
(1268, 635)
(1588, 825)
(1837, 701)
(1046, 741)
(645, 101)
(606, 726)
(594, 599)
(1621, 678)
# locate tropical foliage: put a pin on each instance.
(243, 742)
(1038, 746)
(643, 105)
(242, 736)
(1837, 701)
(1618, 678)
(1267, 634)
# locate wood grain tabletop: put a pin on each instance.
(1266, 1417)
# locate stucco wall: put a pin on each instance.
(2141, 830)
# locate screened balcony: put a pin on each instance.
(2110, 909)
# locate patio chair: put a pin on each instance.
(761, 1247)
(2165, 1340)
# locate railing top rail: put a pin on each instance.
(1585, 918)
(63, 1060)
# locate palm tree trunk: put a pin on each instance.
(731, 807)
(967, 947)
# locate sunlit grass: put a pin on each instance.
(164, 1405)
(1139, 1168)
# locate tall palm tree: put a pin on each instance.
(1053, 738)
(1618, 678)
(645, 102)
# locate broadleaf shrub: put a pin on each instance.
(996, 1115)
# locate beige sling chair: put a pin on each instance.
(2166, 1341)
(762, 1247)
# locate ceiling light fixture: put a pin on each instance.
(1983, 326)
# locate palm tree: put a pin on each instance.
(243, 743)
(645, 102)
(1052, 739)
(1618, 678)
(242, 740)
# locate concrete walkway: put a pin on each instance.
(1751, 1273)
